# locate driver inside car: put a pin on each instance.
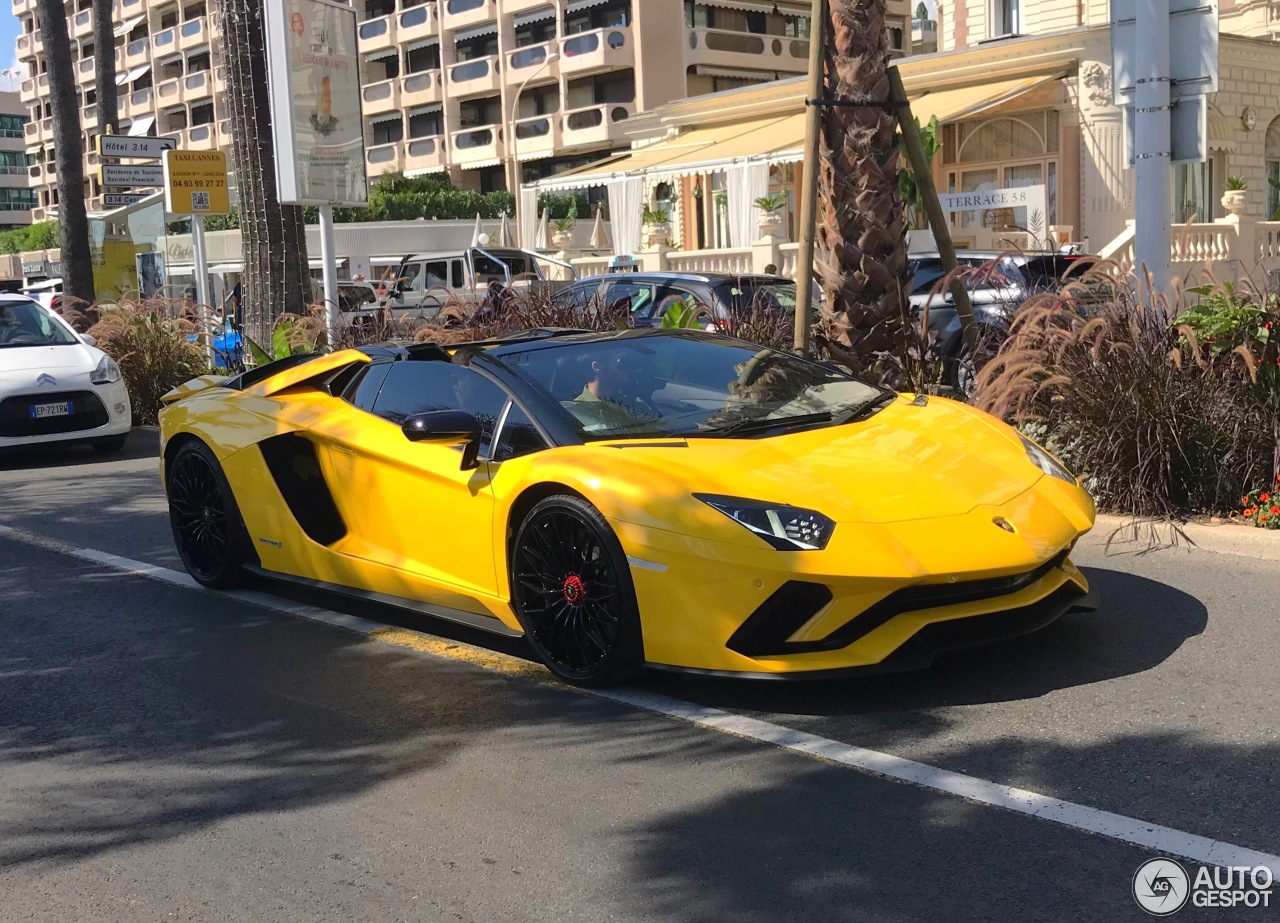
(613, 397)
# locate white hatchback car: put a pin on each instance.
(55, 385)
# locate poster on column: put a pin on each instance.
(317, 123)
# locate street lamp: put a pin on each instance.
(513, 165)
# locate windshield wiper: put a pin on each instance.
(764, 424)
(863, 409)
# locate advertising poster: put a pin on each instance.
(315, 92)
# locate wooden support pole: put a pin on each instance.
(933, 208)
(809, 197)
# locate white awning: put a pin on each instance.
(423, 43)
(141, 125)
(128, 25)
(481, 163)
(576, 5)
(382, 55)
(425, 110)
(386, 117)
(735, 73)
(385, 260)
(130, 76)
(467, 35)
(762, 6)
(539, 15)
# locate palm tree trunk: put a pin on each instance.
(104, 52)
(862, 224)
(276, 279)
(77, 267)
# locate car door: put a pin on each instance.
(410, 506)
(638, 296)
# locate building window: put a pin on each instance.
(417, 60)
(388, 131)
(612, 15)
(425, 125)
(1006, 17)
(202, 114)
(1273, 170)
(1192, 185)
(1003, 153)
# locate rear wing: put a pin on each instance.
(194, 386)
(301, 372)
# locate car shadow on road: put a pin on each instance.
(143, 442)
(1140, 623)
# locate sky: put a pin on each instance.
(8, 36)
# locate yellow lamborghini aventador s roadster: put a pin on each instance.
(645, 497)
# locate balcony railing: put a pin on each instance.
(529, 57)
(167, 91)
(86, 65)
(160, 39)
(533, 128)
(471, 70)
(375, 28)
(477, 137)
(454, 7)
(595, 116)
(719, 44)
(197, 82)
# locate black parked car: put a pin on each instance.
(649, 293)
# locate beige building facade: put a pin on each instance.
(452, 86)
(1024, 96)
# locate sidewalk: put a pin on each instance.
(1129, 536)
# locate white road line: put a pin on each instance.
(1158, 838)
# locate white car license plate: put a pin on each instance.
(40, 411)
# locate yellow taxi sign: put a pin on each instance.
(195, 183)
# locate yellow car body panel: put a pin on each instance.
(918, 494)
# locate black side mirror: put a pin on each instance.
(447, 428)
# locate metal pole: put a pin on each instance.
(330, 272)
(509, 122)
(932, 207)
(809, 197)
(1153, 231)
(202, 282)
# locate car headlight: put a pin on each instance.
(106, 372)
(1046, 462)
(786, 528)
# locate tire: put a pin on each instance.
(572, 592)
(207, 528)
(110, 445)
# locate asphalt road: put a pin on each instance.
(167, 753)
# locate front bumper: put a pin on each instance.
(112, 415)
(880, 597)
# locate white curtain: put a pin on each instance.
(528, 216)
(745, 183)
(626, 199)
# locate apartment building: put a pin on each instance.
(454, 86)
(16, 197)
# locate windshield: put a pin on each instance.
(24, 323)
(690, 385)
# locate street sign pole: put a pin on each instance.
(330, 272)
(202, 282)
(1153, 232)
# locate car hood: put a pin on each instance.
(906, 462)
(76, 357)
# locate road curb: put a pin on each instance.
(1126, 534)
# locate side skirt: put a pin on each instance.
(483, 622)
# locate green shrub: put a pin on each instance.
(152, 348)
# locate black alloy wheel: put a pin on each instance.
(206, 523)
(572, 591)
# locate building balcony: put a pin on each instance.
(31, 132)
(538, 136)
(219, 80)
(424, 155)
(595, 125)
(745, 49)
(377, 34)
(197, 86)
(82, 24)
(197, 138)
(28, 94)
(602, 49)
(169, 93)
(137, 53)
(23, 6)
(418, 22)
(22, 44)
(385, 158)
(478, 77)
(383, 96)
(138, 103)
(477, 147)
(89, 118)
(164, 42)
(35, 172)
(37, 41)
(525, 61)
(192, 34)
(520, 6)
(85, 69)
(420, 89)
(462, 14)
